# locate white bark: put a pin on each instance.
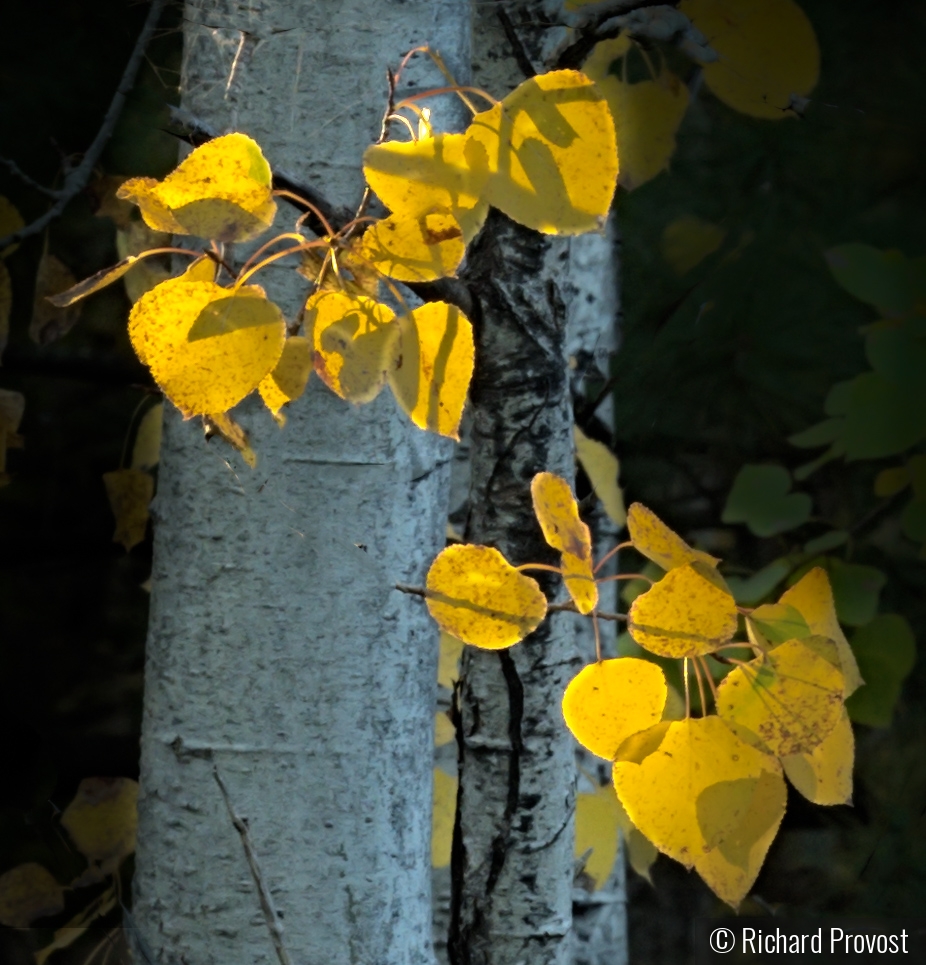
(279, 658)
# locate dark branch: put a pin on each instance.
(16, 171)
(517, 48)
(76, 179)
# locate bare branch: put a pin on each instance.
(17, 171)
(76, 179)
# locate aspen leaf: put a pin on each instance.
(134, 239)
(731, 868)
(886, 652)
(51, 320)
(558, 514)
(444, 731)
(658, 543)
(824, 775)
(443, 817)
(102, 819)
(641, 852)
(786, 701)
(355, 339)
(778, 622)
(856, 590)
(812, 596)
(608, 701)
(688, 240)
(597, 826)
(448, 666)
(129, 492)
(222, 424)
(444, 172)
(767, 53)
(760, 499)
(10, 222)
(476, 595)
(290, 375)
(432, 365)
(421, 248)
(222, 190)
(688, 613)
(602, 468)
(146, 452)
(550, 152)
(663, 793)
(28, 892)
(207, 346)
(6, 305)
(598, 63)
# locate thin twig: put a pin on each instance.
(266, 901)
(413, 590)
(710, 678)
(76, 179)
(18, 172)
(604, 559)
(697, 669)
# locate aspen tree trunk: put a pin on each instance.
(288, 717)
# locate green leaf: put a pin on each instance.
(913, 520)
(856, 590)
(882, 279)
(760, 499)
(778, 622)
(886, 652)
(752, 589)
(828, 541)
(883, 417)
(822, 434)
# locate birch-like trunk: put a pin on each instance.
(289, 689)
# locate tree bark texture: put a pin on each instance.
(289, 690)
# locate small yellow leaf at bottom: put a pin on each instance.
(102, 819)
(146, 452)
(443, 817)
(28, 892)
(602, 468)
(290, 376)
(597, 817)
(824, 775)
(222, 424)
(130, 492)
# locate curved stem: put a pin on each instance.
(538, 566)
(687, 689)
(269, 244)
(710, 678)
(626, 576)
(450, 89)
(697, 669)
(242, 278)
(282, 193)
(597, 637)
(604, 559)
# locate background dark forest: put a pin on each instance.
(718, 366)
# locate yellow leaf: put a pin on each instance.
(824, 775)
(602, 468)
(102, 819)
(142, 275)
(222, 424)
(207, 346)
(606, 702)
(355, 340)
(434, 173)
(598, 64)
(6, 305)
(10, 222)
(688, 613)
(786, 701)
(550, 154)
(767, 49)
(812, 596)
(597, 824)
(641, 852)
(28, 892)
(444, 731)
(675, 705)
(421, 248)
(432, 366)
(476, 595)
(693, 791)
(731, 868)
(129, 492)
(146, 453)
(289, 378)
(658, 543)
(688, 240)
(443, 817)
(558, 514)
(777, 623)
(222, 190)
(448, 667)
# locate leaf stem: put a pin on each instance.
(697, 669)
(687, 688)
(283, 193)
(539, 566)
(604, 559)
(626, 576)
(597, 636)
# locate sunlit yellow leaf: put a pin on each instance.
(133, 239)
(824, 775)
(28, 892)
(786, 701)
(695, 788)
(432, 366)
(767, 49)
(688, 240)
(658, 543)
(597, 824)
(10, 222)
(446, 171)
(550, 153)
(606, 702)
(602, 468)
(813, 597)
(207, 346)
(558, 514)
(129, 492)
(222, 190)
(146, 452)
(731, 868)
(102, 819)
(444, 731)
(688, 613)
(222, 424)
(476, 595)
(355, 339)
(443, 817)
(290, 376)
(448, 667)
(53, 281)
(421, 248)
